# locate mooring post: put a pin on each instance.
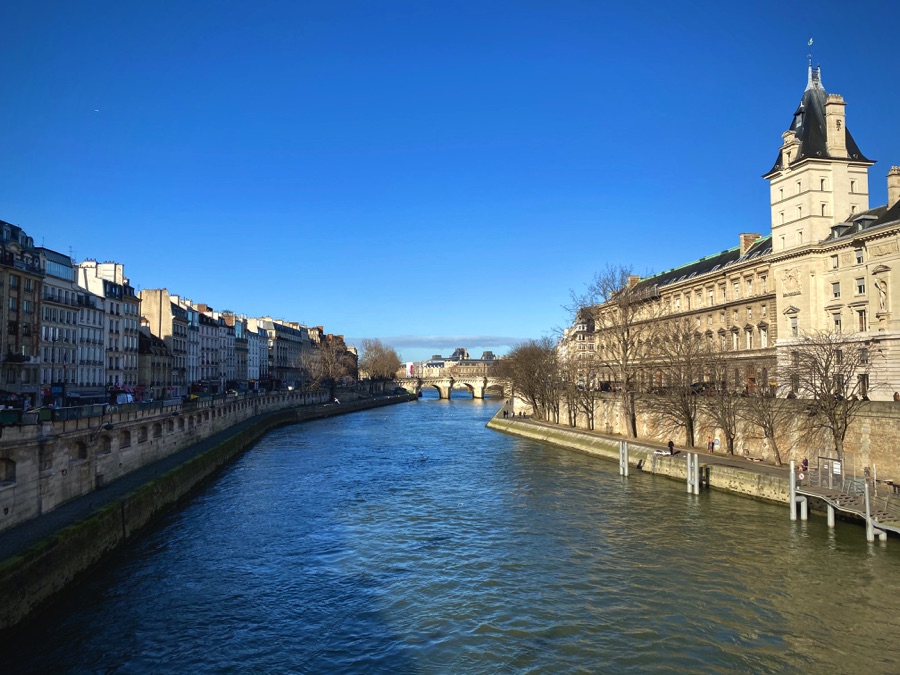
(621, 443)
(830, 515)
(625, 459)
(697, 476)
(693, 485)
(792, 491)
(871, 530)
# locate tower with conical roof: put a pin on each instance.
(820, 176)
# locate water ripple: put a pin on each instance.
(413, 540)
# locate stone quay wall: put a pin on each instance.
(873, 439)
(46, 464)
(748, 482)
(29, 580)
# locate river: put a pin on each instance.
(410, 539)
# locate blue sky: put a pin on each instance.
(435, 174)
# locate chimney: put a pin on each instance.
(633, 280)
(835, 125)
(893, 186)
(747, 239)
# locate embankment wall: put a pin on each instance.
(30, 579)
(747, 482)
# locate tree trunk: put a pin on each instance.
(730, 445)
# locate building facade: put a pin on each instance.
(826, 267)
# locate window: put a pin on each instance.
(837, 322)
(734, 316)
(763, 280)
(800, 215)
(736, 288)
(836, 289)
(13, 280)
(839, 356)
(734, 341)
(822, 186)
(749, 287)
(834, 262)
(709, 320)
(799, 232)
(749, 339)
(794, 330)
(859, 256)
(677, 304)
(863, 355)
(862, 324)
(763, 311)
(722, 287)
(763, 337)
(823, 209)
(28, 285)
(852, 186)
(722, 317)
(13, 305)
(860, 286)
(862, 381)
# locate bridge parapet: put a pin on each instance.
(477, 384)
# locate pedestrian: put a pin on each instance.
(710, 445)
(671, 447)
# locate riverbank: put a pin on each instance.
(41, 557)
(719, 471)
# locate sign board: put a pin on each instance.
(836, 468)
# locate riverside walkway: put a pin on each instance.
(846, 495)
(19, 538)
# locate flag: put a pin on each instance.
(810, 42)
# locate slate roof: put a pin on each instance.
(710, 263)
(809, 126)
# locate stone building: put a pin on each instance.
(155, 366)
(59, 330)
(168, 320)
(122, 320)
(21, 279)
(826, 266)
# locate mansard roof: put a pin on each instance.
(809, 128)
(710, 263)
(865, 222)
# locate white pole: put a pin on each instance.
(792, 492)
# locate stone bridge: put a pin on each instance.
(479, 385)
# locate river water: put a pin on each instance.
(410, 539)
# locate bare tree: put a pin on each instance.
(328, 363)
(621, 314)
(769, 413)
(533, 369)
(571, 386)
(381, 362)
(679, 358)
(719, 402)
(831, 371)
(589, 385)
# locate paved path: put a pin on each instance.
(719, 458)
